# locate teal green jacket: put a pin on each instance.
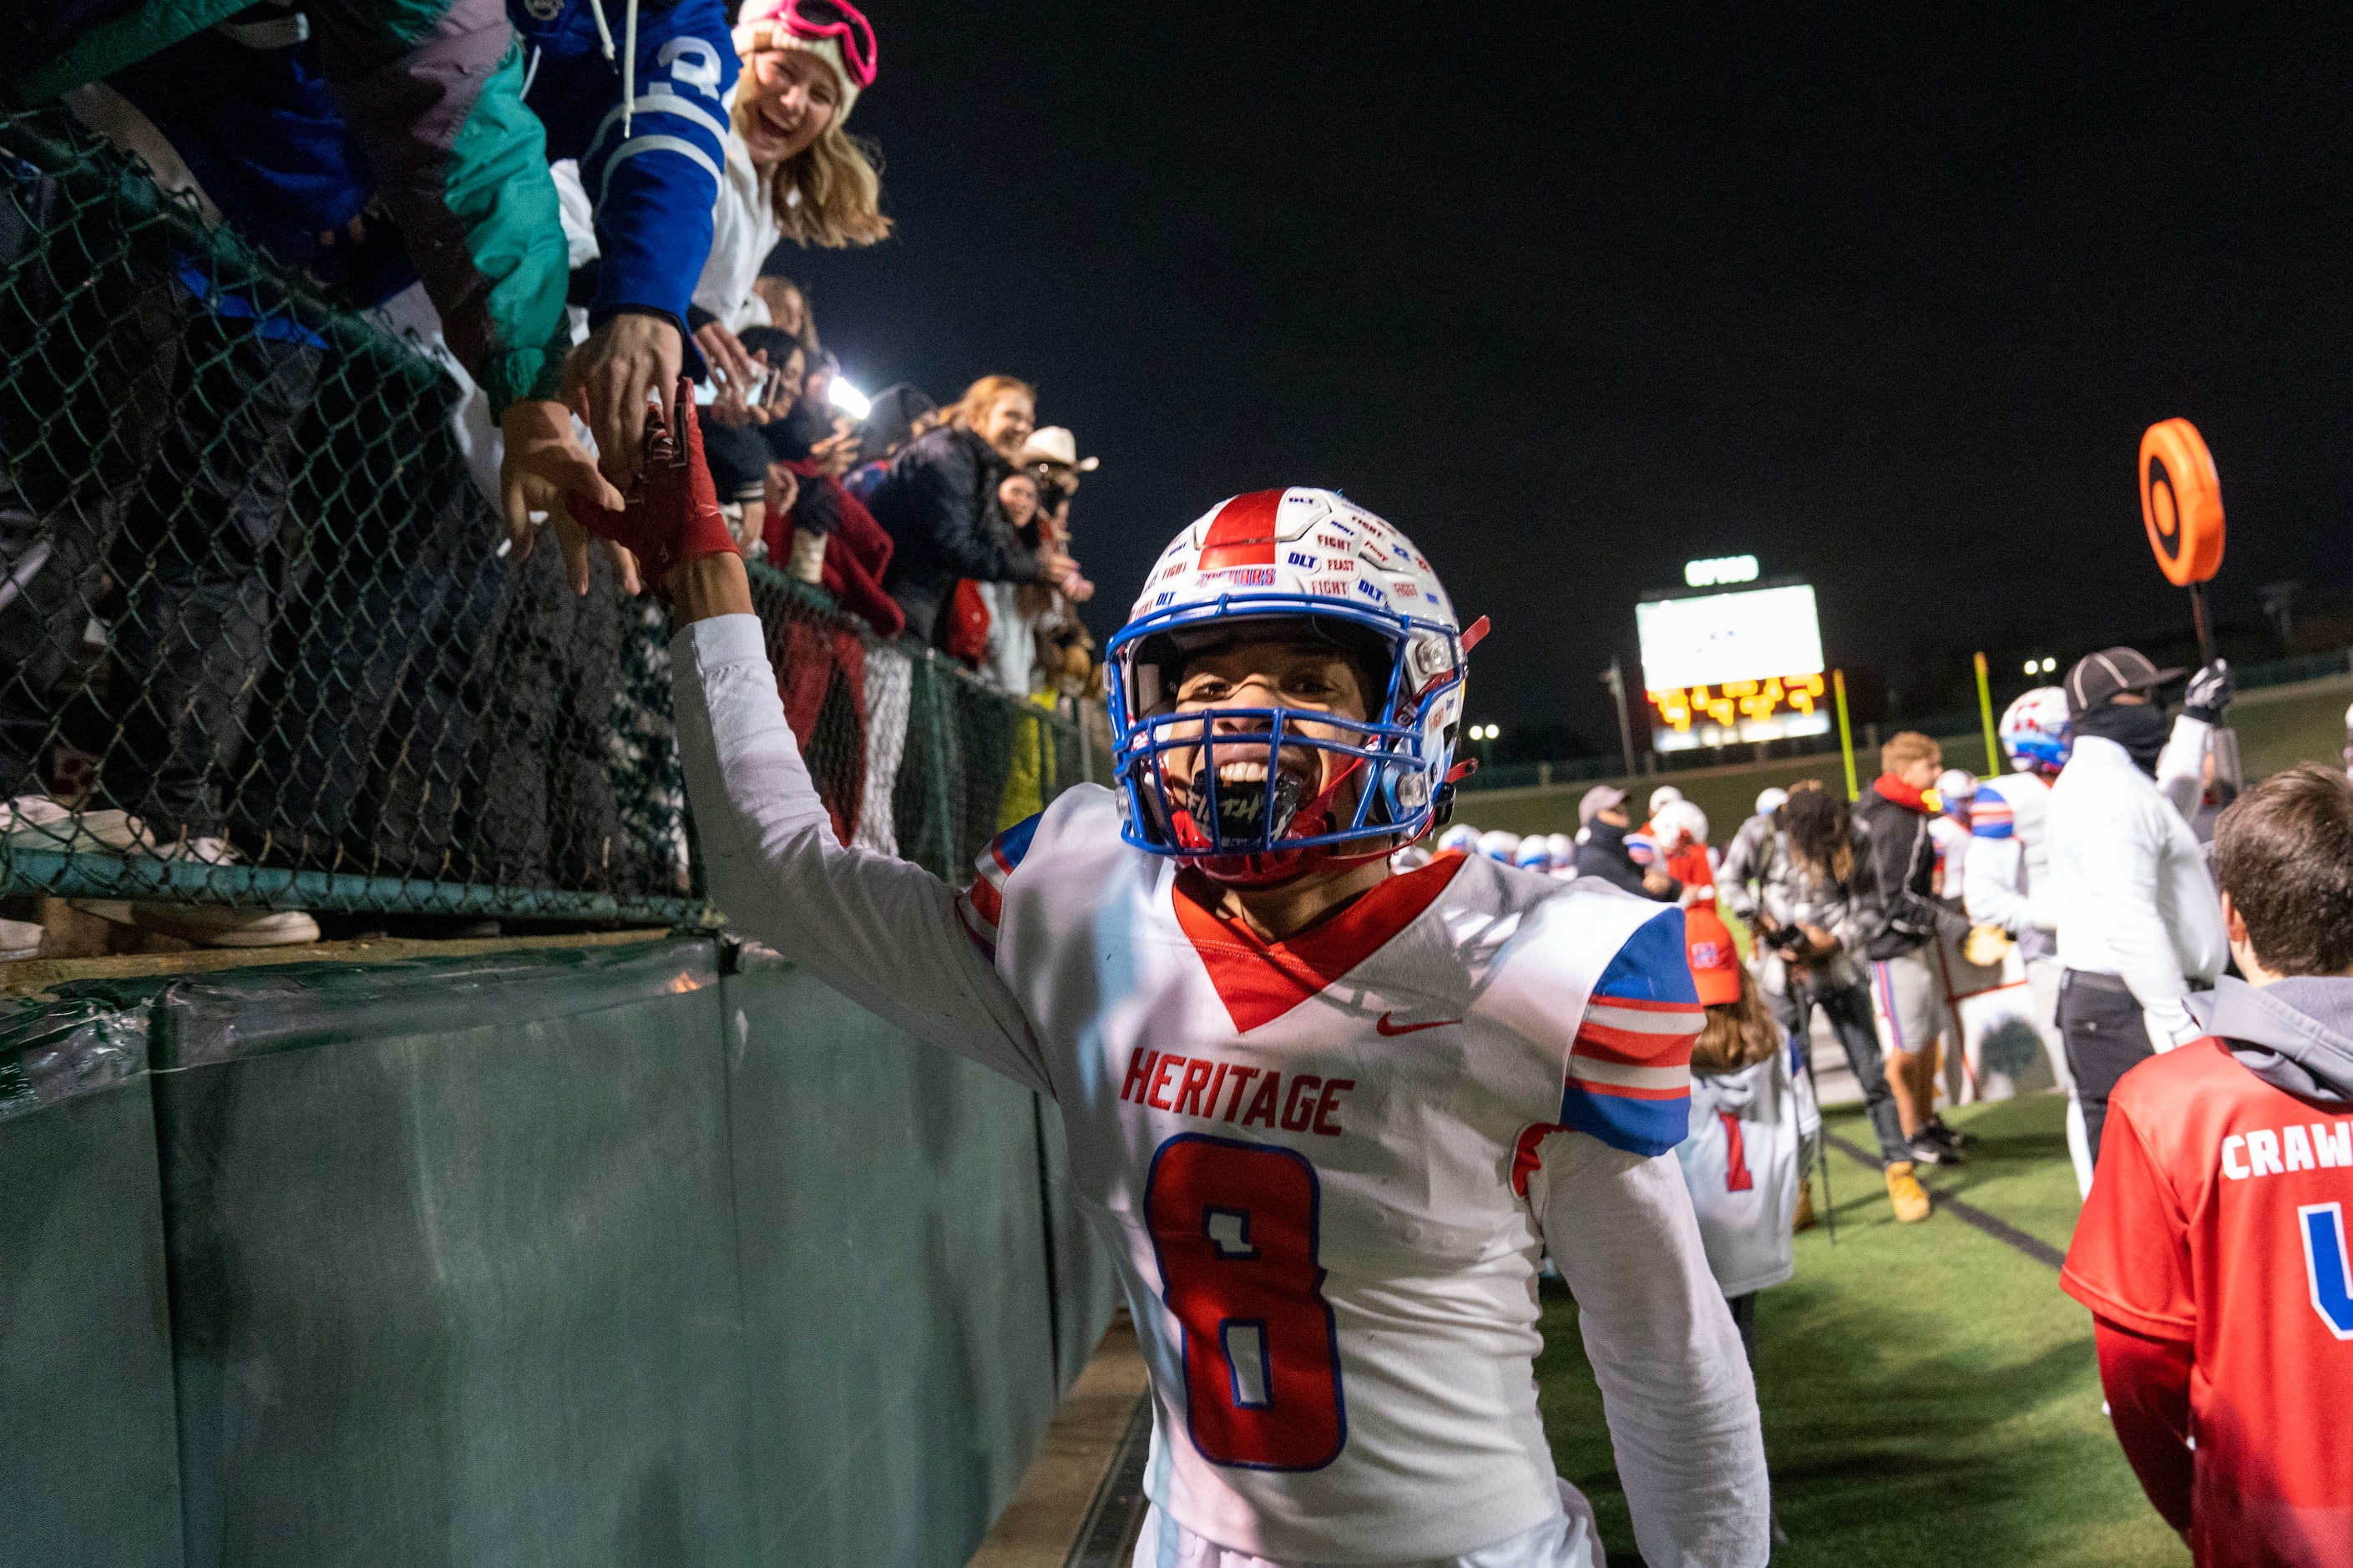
(433, 90)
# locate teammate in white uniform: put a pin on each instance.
(1957, 788)
(1564, 855)
(1498, 844)
(2007, 880)
(1753, 1125)
(1322, 1116)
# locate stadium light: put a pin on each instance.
(2031, 667)
(849, 399)
(1718, 570)
(2049, 665)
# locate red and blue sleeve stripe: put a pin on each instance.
(981, 906)
(1989, 814)
(1628, 1081)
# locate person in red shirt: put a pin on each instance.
(2213, 1250)
(1680, 827)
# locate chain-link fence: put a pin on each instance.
(259, 645)
(912, 755)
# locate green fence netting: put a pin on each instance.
(260, 644)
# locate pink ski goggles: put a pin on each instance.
(845, 25)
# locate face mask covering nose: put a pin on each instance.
(2140, 730)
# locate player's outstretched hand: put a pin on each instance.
(673, 515)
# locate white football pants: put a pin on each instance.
(1568, 1540)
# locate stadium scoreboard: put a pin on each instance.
(1719, 667)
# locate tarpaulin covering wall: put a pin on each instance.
(585, 1256)
(86, 1423)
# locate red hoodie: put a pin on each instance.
(857, 552)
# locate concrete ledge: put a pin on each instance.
(1071, 1508)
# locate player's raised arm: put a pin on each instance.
(1675, 1388)
(881, 930)
(1618, 1221)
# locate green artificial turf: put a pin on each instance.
(1929, 1394)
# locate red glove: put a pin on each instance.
(674, 517)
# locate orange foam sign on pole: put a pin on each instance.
(2181, 502)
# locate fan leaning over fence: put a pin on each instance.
(259, 653)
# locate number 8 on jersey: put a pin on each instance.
(1234, 1228)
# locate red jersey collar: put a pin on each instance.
(1258, 980)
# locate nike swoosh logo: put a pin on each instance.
(1383, 1026)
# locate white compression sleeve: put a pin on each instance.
(1675, 1384)
(880, 930)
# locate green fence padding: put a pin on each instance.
(85, 1419)
(457, 1295)
(299, 1007)
(894, 1280)
(531, 1258)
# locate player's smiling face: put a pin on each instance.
(1265, 672)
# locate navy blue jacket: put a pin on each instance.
(248, 109)
(938, 503)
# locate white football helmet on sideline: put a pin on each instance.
(1679, 822)
(1462, 838)
(2034, 730)
(1497, 844)
(1322, 564)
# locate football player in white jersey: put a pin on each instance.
(2006, 883)
(1753, 1127)
(1754, 1130)
(1322, 1116)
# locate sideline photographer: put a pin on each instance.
(1801, 912)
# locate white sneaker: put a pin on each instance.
(20, 939)
(208, 850)
(37, 822)
(208, 925)
(218, 925)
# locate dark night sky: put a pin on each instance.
(1883, 295)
